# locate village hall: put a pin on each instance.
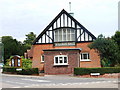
(62, 46)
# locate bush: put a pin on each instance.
(104, 70)
(26, 63)
(29, 71)
(9, 69)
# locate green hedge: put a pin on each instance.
(9, 69)
(87, 71)
(28, 71)
(22, 72)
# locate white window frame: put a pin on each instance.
(66, 39)
(58, 56)
(19, 62)
(42, 58)
(88, 58)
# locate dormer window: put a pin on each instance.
(64, 34)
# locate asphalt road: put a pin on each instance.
(55, 81)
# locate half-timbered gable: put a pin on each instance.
(64, 30)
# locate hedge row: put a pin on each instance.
(22, 72)
(104, 70)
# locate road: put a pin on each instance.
(55, 81)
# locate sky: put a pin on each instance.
(19, 17)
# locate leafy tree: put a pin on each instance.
(1, 52)
(14, 47)
(11, 47)
(29, 40)
(116, 37)
(107, 49)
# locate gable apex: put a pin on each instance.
(62, 20)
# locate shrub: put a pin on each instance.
(26, 63)
(9, 69)
(104, 70)
(29, 71)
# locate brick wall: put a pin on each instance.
(38, 51)
(73, 61)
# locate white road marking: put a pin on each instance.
(15, 82)
(26, 86)
(36, 80)
(53, 84)
(16, 87)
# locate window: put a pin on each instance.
(42, 58)
(18, 62)
(61, 60)
(85, 57)
(13, 62)
(65, 34)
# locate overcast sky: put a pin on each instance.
(19, 17)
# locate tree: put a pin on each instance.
(116, 38)
(107, 49)
(14, 47)
(1, 52)
(11, 47)
(29, 40)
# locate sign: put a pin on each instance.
(19, 69)
(65, 44)
(95, 74)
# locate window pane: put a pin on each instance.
(56, 35)
(72, 35)
(12, 62)
(60, 60)
(42, 58)
(18, 62)
(88, 56)
(56, 59)
(85, 56)
(68, 34)
(65, 59)
(64, 34)
(60, 35)
(72, 31)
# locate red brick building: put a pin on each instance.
(63, 45)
